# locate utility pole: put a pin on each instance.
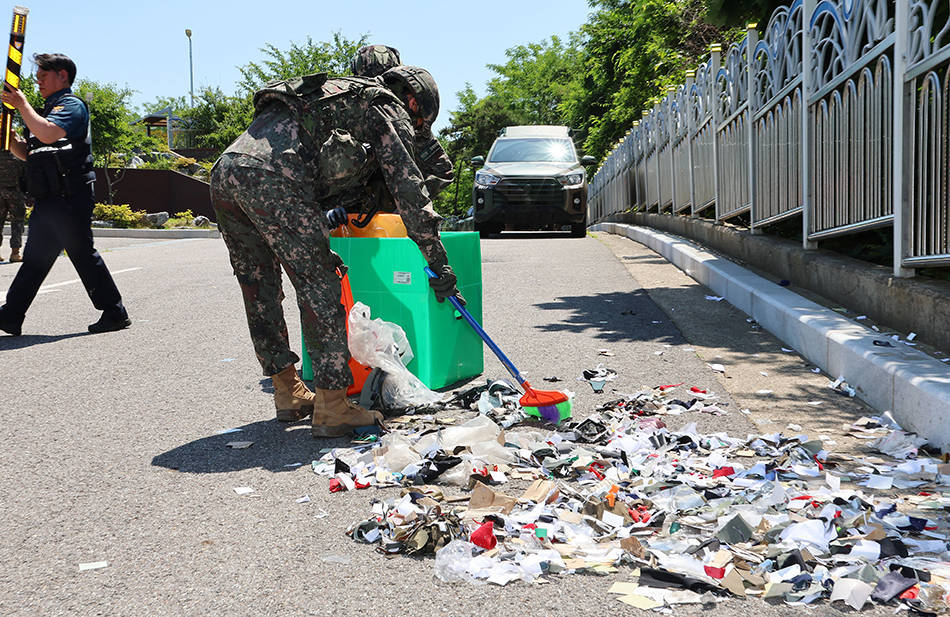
(191, 69)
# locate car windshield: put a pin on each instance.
(532, 150)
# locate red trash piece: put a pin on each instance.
(714, 572)
(698, 390)
(361, 484)
(484, 536)
(335, 485)
(910, 594)
(724, 472)
(669, 385)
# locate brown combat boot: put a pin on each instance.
(335, 415)
(15, 256)
(293, 399)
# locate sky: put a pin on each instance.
(143, 45)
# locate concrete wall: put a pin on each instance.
(907, 305)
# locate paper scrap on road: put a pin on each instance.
(303, 499)
(239, 445)
(717, 367)
(93, 565)
(775, 515)
(243, 490)
(228, 431)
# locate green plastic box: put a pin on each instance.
(387, 275)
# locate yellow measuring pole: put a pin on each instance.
(12, 79)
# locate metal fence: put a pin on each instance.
(837, 114)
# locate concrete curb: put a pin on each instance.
(167, 234)
(914, 387)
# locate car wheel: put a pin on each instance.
(578, 230)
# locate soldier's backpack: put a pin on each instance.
(341, 162)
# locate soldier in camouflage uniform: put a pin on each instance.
(374, 60)
(312, 140)
(433, 162)
(12, 202)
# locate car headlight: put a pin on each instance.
(572, 179)
(486, 179)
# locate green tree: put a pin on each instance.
(332, 57)
(537, 78)
(633, 50)
(472, 129)
(217, 119)
(738, 12)
(111, 122)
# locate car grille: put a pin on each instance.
(530, 191)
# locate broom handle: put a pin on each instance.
(491, 344)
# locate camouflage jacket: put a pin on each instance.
(11, 168)
(352, 128)
(434, 163)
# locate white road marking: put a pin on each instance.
(51, 288)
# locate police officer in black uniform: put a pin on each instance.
(58, 155)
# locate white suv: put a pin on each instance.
(532, 179)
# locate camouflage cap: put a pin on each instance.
(374, 60)
(403, 80)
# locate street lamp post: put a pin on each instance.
(191, 69)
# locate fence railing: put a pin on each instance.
(838, 115)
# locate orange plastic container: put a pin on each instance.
(382, 225)
(359, 371)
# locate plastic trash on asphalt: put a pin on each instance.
(694, 517)
(382, 344)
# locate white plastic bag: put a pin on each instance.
(384, 345)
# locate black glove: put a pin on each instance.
(444, 286)
(337, 217)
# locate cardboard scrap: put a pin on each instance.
(483, 498)
(540, 490)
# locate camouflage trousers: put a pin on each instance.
(13, 204)
(267, 221)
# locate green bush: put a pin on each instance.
(180, 219)
(120, 215)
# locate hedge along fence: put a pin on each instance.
(838, 115)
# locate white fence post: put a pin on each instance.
(808, 7)
(752, 39)
(690, 127)
(670, 104)
(715, 63)
(903, 134)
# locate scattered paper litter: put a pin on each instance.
(227, 431)
(243, 490)
(776, 515)
(93, 565)
(717, 367)
(239, 445)
(715, 298)
(303, 499)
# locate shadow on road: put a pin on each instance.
(613, 317)
(29, 340)
(528, 235)
(277, 447)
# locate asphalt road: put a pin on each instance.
(110, 452)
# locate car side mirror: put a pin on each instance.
(477, 160)
(588, 160)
